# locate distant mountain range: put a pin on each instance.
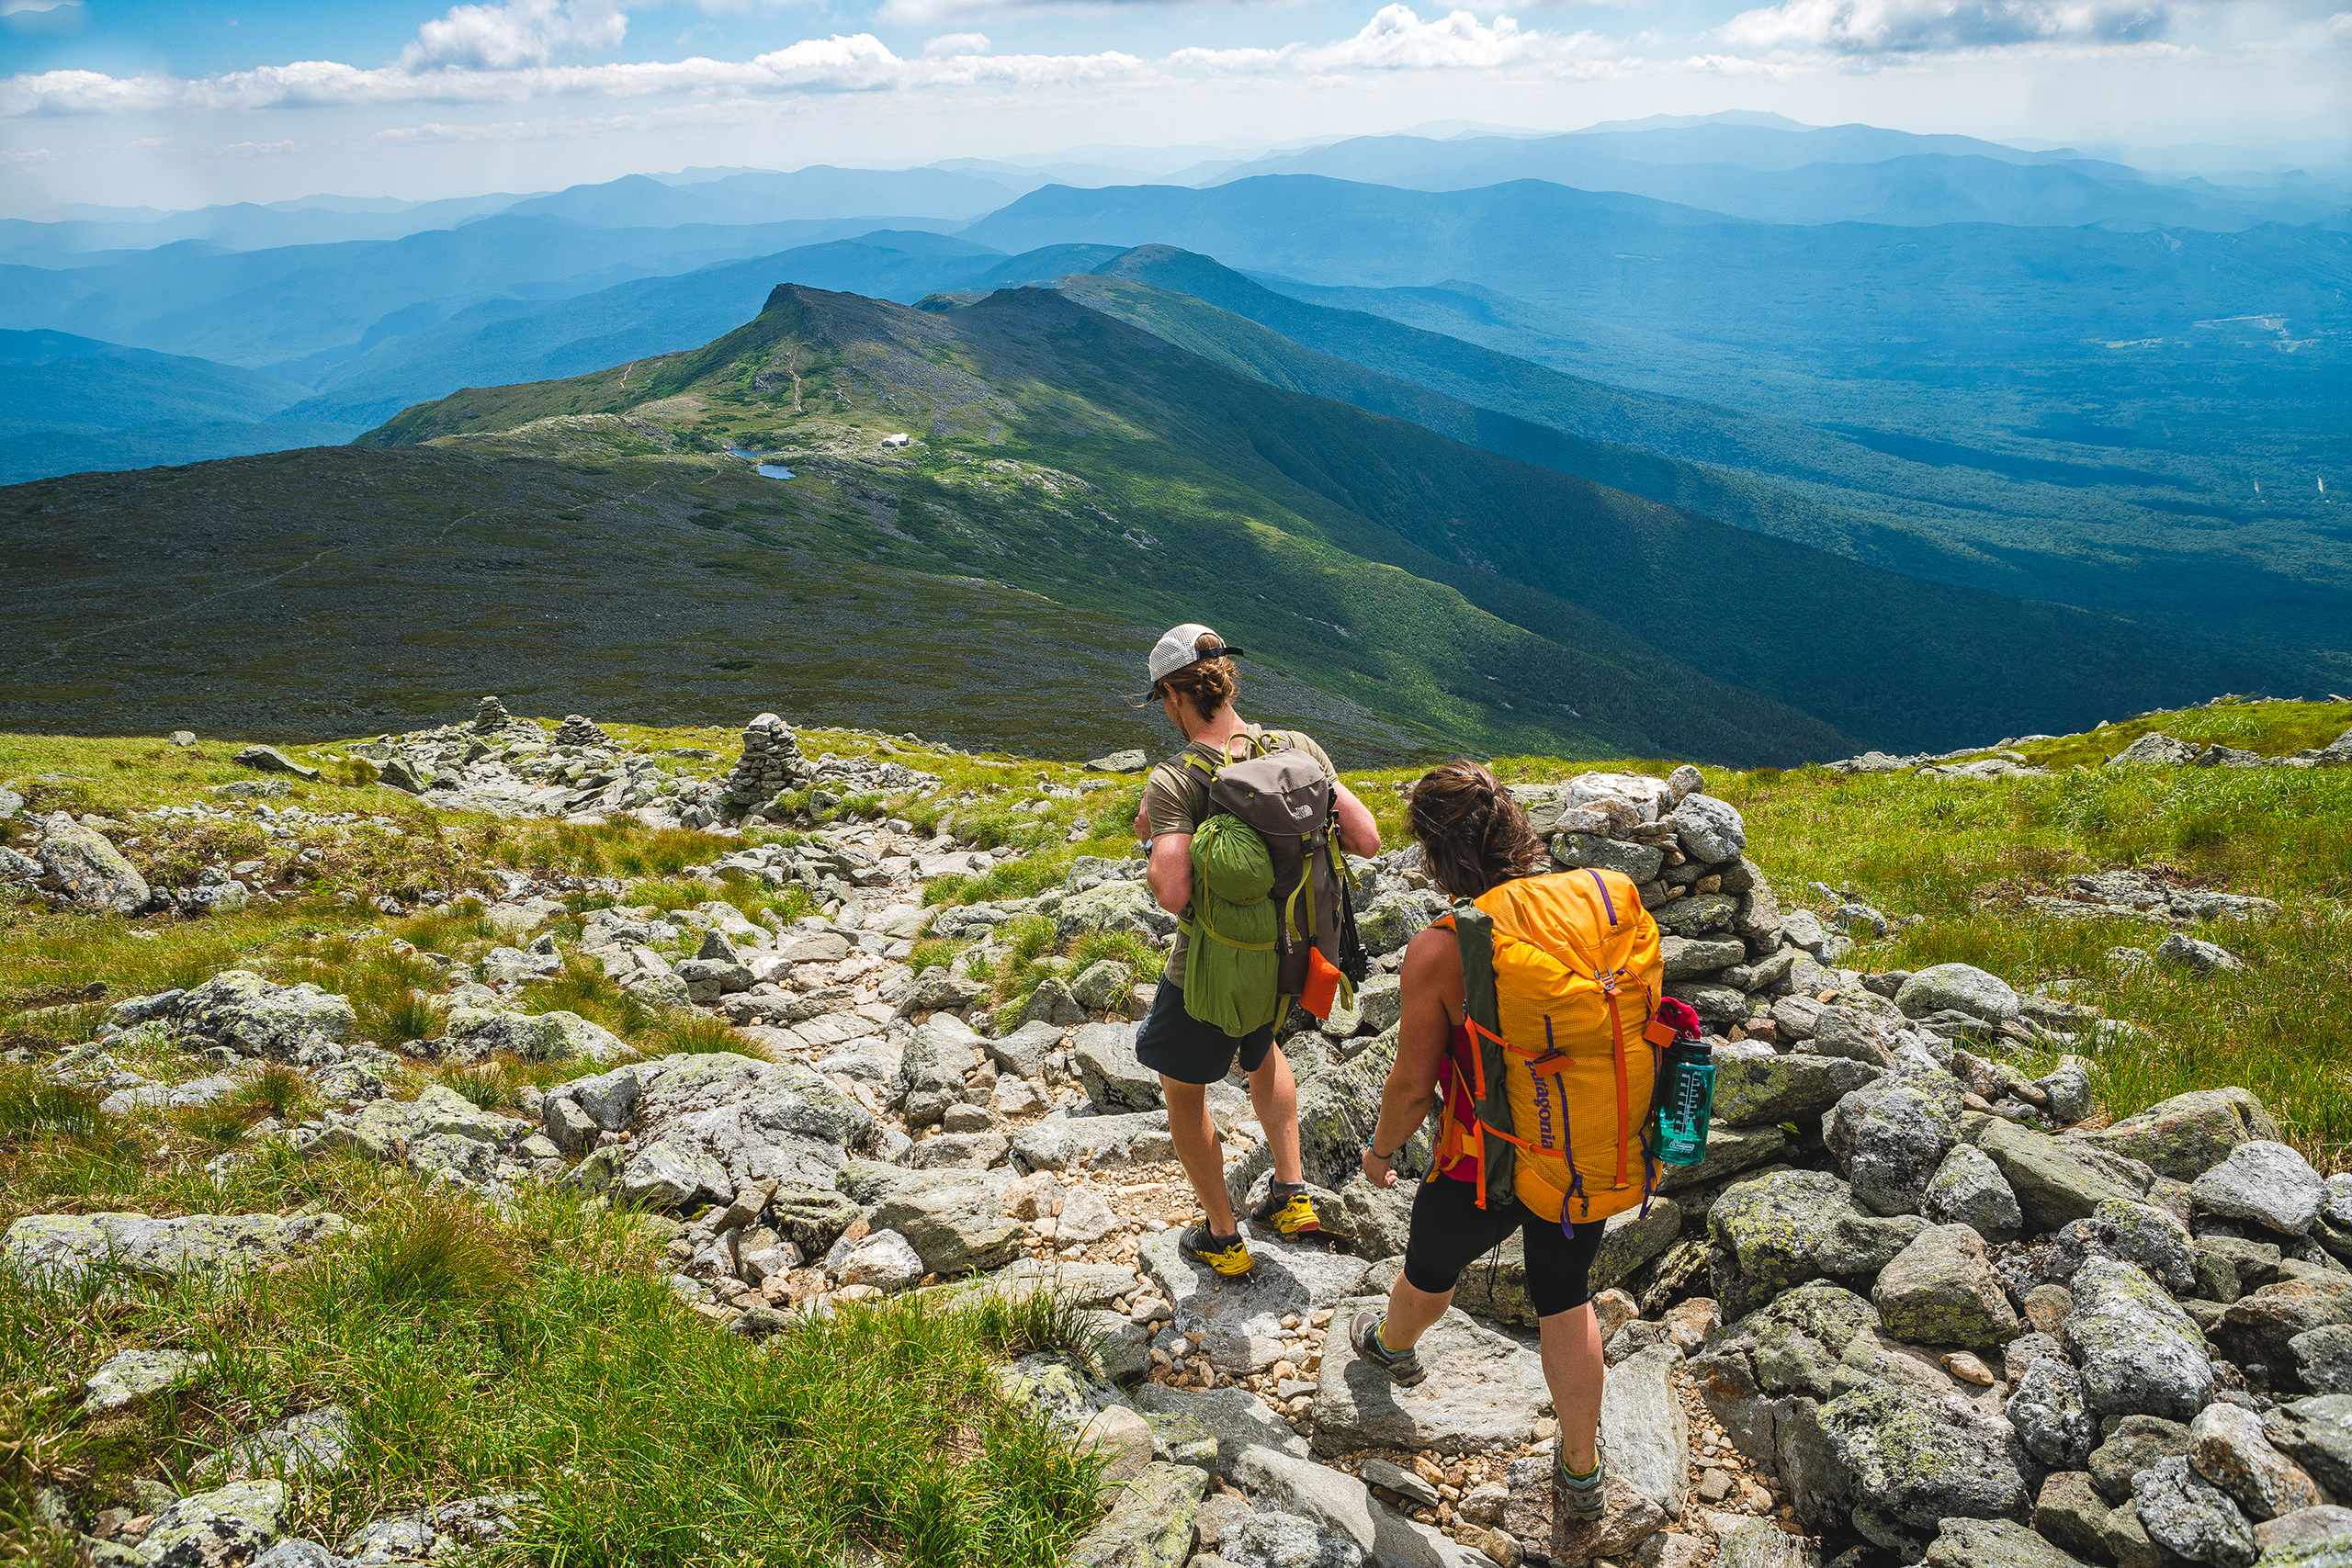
(1402, 583)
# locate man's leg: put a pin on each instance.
(1190, 1129)
(1273, 1094)
(1572, 1370)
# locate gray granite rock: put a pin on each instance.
(1961, 987)
(2187, 1515)
(2266, 1182)
(1969, 1189)
(1763, 1088)
(88, 868)
(1239, 1321)
(1942, 1291)
(1104, 1055)
(1492, 1387)
(1892, 1137)
(2139, 1352)
(2051, 1418)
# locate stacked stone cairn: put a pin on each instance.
(771, 763)
(491, 717)
(577, 731)
(1911, 1307)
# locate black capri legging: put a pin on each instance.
(1450, 1231)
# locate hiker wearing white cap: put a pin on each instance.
(1194, 681)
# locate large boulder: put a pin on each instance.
(2262, 1325)
(1117, 906)
(1239, 1321)
(2139, 1352)
(1638, 862)
(1994, 1543)
(1490, 1388)
(1969, 1189)
(2187, 1515)
(2316, 1434)
(1097, 1141)
(240, 1009)
(472, 1033)
(2054, 1183)
(1942, 1291)
(1104, 1055)
(1762, 1088)
(931, 1067)
(1767, 1233)
(226, 1527)
(1892, 1455)
(1961, 987)
(2264, 1181)
(2051, 1413)
(1149, 1524)
(70, 1246)
(754, 1121)
(1892, 1137)
(1644, 1428)
(89, 869)
(954, 1219)
(440, 1133)
(1710, 829)
(2190, 1133)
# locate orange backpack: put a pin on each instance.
(1561, 974)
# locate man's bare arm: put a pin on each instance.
(1359, 834)
(1170, 875)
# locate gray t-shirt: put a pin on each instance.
(1176, 796)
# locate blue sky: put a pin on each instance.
(175, 104)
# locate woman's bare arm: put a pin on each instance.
(1432, 979)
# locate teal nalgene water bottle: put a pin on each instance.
(1685, 1101)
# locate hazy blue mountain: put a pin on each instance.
(68, 405)
(1631, 260)
(239, 226)
(1751, 178)
(296, 309)
(639, 201)
(505, 341)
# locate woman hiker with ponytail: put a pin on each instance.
(1475, 839)
(1194, 682)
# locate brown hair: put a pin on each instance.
(1210, 684)
(1473, 835)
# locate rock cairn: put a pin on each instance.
(771, 763)
(577, 731)
(491, 717)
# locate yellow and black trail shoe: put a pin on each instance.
(1287, 1211)
(1228, 1255)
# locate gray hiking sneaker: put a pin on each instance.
(1581, 1496)
(1364, 1333)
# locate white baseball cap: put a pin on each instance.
(1178, 649)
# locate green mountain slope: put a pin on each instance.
(1961, 514)
(1246, 489)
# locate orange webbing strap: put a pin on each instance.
(1624, 1104)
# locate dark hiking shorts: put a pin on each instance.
(1450, 1231)
(1175, 1045)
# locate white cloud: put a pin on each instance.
(257, 150)
(522, 32)
(2340, 25)
(34, 155)
(1918, 27)
(947, 44)
(1397, 40)
(15, 7)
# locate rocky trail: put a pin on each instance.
(1917, 1304)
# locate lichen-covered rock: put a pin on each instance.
(1767, 1233)
(954, 1219)
(1104, 985)
(2139, 1352)
(2052, 1182)
(2190, 1133)
(2266, 1182)
(1994, 1543)
(2137, 1442)
(2226, 1446)
(133, 1375)
(1114, 906)
(472, 1033)
(1104, 1055)
(240, 1009)
(1969, 1189)
(2263, 1325)
(1697, 914)
(1962, 987)
(756, 1120)
(1710, 829)
(2186, 1513)
(70, 1245)
(2323, 1357)
(1940, 1290)
(1914, 1458)
(1638, 862)
(89, 869)
(2068, 1087)
(1753, 1089)
(315, 1444)
(2050, 1414)
(226, 1527)
(1730, 1150)
(2316, 1433)
(1891, 1137)
(2070, 1513)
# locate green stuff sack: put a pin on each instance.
(1231, 970)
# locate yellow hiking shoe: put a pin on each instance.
(1228, 1255)
(1287, 1211)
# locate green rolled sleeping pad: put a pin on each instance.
(1231, 965)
